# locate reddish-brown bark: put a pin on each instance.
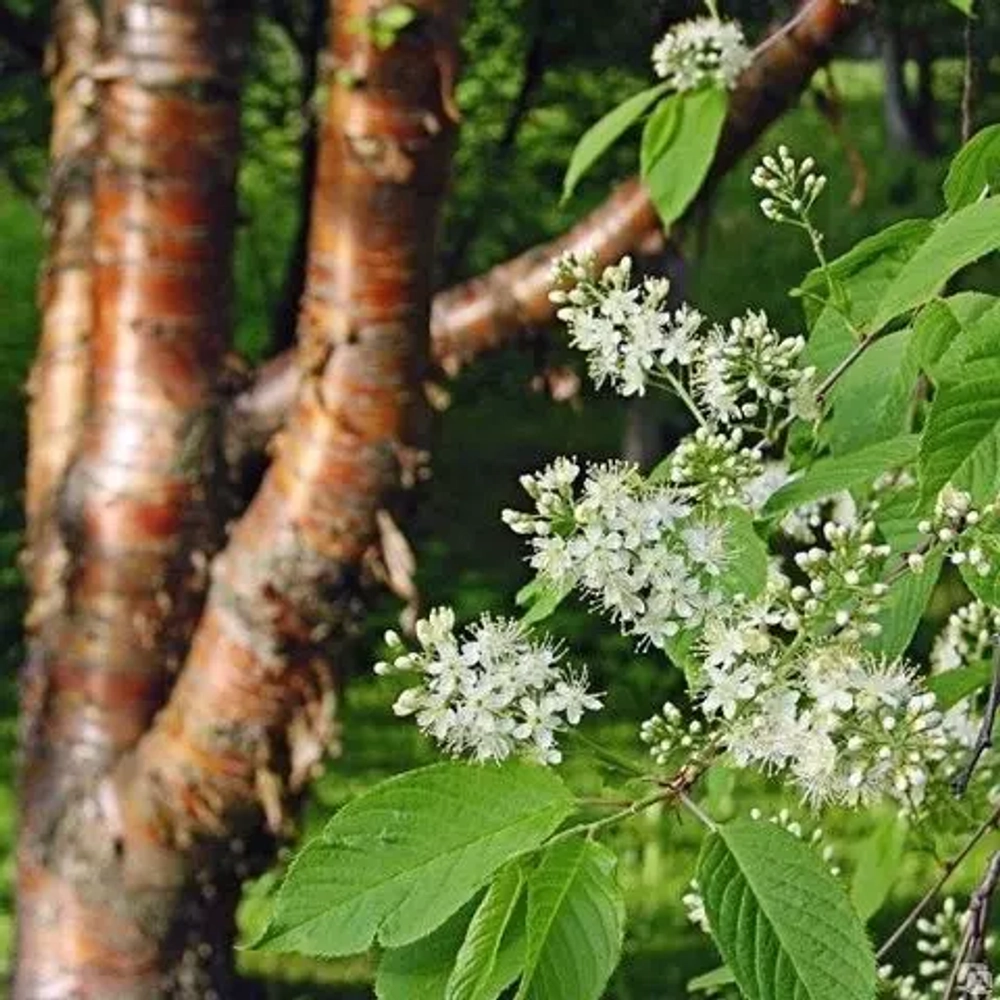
(510, 302)
(139, 505)
(57, 388)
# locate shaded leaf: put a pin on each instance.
(576, 920)
(602, 135)
(678, 146)
(878, 866)
(400, 859)
(783, 923)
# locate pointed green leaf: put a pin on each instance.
(951, 686)
(400, 859)
(576, 920)
(975, 171)
(783, 923)
(602, 135)
(420, 971)
(903, 607)
(844, 472)
(971, 233)
(492, 954)
(961, 442)
(678, 146)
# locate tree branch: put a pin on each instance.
(510, 302)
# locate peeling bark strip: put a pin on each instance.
(57, 387)
(510, 301)
(138, 501)
(248, 719)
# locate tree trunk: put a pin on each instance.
(140, 510)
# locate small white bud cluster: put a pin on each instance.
(938, 945)
(791, 188)
(669, 738)
(843, 590)
(716, 467)
(970, 535)
(704, 52)
(747, 372)
(490, 693)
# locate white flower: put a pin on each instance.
(701, 52)
(725, 689)
(492, 693)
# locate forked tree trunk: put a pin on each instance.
(146, 802)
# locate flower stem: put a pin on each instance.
(684, 396)
(990, 823)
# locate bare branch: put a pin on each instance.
(510, 302)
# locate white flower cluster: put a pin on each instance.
(740, 373)
(969, 535)
(746, 371)
(791, 188)
(640, 551)
(704, 52)
(628, 333)
(938, 945)
(848, 727)
(490, 693)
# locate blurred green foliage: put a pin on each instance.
(578, 60)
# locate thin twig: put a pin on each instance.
(831, 380)
(984, 739)
(973, 948)
(990, 823)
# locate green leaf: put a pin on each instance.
(747, 556)
(951, 686)
(542, 597)
(397, 861)
(873, 400)
(977, 335)
(844, 472)
(576, 919)
(782, 922)
(962, 238)
(879, 866)
(897, 519)
(492, 954)
(678, 146)
(975, 170)
(710, 981)
(986, 588)
(965, 6)
(903, 607)
(420, 971)
(602, 135)
(864, 272)
(961, 442)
